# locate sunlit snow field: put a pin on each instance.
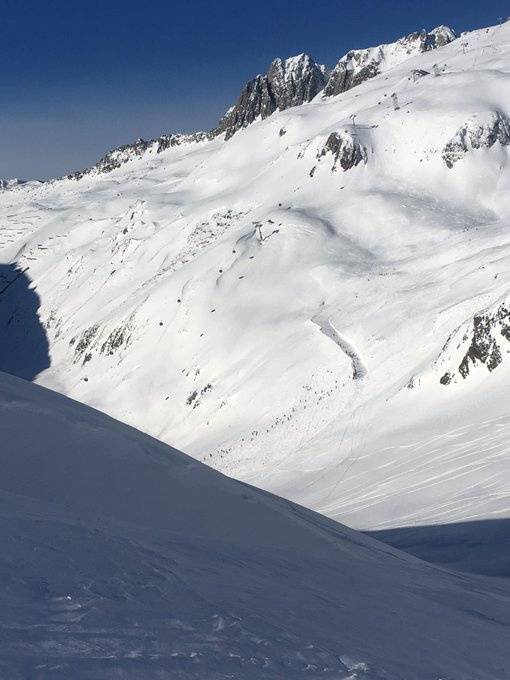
(290, 329)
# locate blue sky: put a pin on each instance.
(80, 78)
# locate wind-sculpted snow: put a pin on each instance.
(124, 558)
(176, 292)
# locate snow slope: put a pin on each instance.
(124, 558)
(294, 305)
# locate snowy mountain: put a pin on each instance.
(10, 183)
(124, 558)
(317, 305)
(297, 80)
(360, 65)
(290, 82)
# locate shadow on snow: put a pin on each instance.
(24, 349)
(478, 547)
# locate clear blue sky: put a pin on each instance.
(78, 78)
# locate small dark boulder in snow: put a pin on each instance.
(446, 379)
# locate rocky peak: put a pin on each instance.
(441, 35)
(359, 65)
(288, 82)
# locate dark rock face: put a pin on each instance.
(360, 65)
(344, 76)
(481, 131)
(346, 149)
(287, 83)
(484, 347)
(484, 337)
(122, 154)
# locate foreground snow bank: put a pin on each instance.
(124, 558)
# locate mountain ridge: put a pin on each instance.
(265, 94)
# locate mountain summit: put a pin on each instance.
(287, 83)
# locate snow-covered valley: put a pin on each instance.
(317, 305)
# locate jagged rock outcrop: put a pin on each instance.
(287, 83)
(351, 72)
(480, 341)
(438, 37)
(480, 131)
(484, 347)
(122, 154)
(346, 149)
(360, 65)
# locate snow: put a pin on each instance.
(124, 558)
(388, 55)
(178, 292)
(293, 66)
